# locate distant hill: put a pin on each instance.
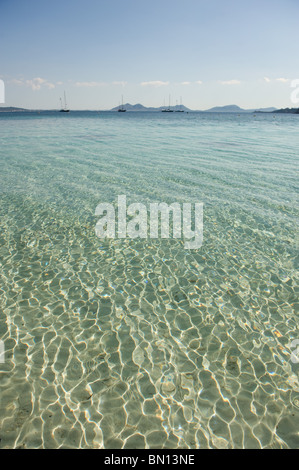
(218, 109)
(132, 107)
(140, 107)
(226, 109)
(10, 109)
(287, 111)
(236, 109)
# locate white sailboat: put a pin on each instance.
(180, 110)
(64, 109)
(122, 109)
(167, 110)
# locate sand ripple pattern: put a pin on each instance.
(141, 343)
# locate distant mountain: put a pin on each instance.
(236, 109)
(132, 107)
(140, 107)
(226, 109)
(10, 109)
(217, 109)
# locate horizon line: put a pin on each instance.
(149, 108)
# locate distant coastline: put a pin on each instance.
(287, 111)
(140, 108)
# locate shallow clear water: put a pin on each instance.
(141, 343)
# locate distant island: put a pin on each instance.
(218, 109)
(11, 109)
(236, 109)
(287, 111)
(140, 108)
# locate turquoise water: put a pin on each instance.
(123, 343)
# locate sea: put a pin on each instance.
(140, 342)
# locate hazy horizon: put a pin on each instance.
(140, 104)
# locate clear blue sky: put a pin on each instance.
(209, 52)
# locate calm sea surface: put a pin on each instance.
(141, 343)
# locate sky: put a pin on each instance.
(205, 52)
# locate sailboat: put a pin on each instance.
(122, 109)
(167, 110)
(64, 109)
(180, 110)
